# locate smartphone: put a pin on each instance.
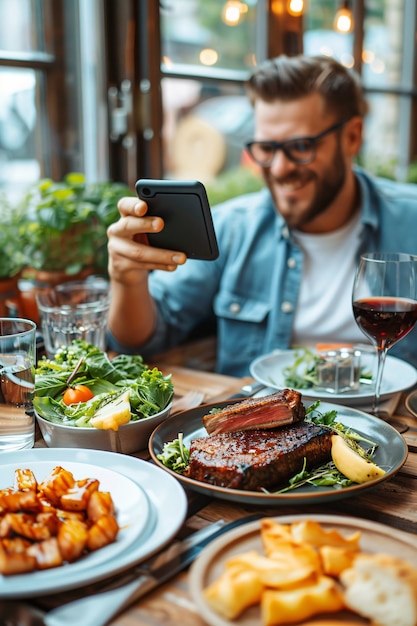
(185, 209)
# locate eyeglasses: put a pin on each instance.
(300, 150)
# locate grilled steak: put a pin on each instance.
(252, 459)
(278, 409)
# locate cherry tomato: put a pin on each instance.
(76, 394)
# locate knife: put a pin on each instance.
(98, 609)
(248, 391)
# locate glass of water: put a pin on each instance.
(74, 310)
(17, 383)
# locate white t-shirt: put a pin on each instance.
(324, 309)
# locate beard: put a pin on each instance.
(328, 185)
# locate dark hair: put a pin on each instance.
(289, 78)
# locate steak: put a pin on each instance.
(278, 409)
(252, 459)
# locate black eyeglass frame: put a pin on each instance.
(283, 145)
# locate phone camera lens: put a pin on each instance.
(146, 191)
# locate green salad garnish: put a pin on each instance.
(328, 475)
(303, 374)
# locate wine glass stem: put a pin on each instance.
(382, 353)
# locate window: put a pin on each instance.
(208, 49)
(383, 36)
(127, 89)
(205, 61)
(40, 115)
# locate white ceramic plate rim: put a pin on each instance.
(398, 376)
(167, 511)
(208, 555)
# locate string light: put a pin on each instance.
(208, 56)
(233, 11)
(295, 7)
(343, 21)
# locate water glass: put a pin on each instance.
(17, 383)
(74, 310)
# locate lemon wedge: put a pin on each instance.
(351, 464)
(113, 414)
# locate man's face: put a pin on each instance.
(305, 195)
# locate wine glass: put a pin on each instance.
(384, 301)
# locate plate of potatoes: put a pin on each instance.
(316, 570)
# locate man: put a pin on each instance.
(287, 253)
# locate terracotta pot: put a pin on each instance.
(38, 280)
(10, 301)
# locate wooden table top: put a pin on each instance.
(393, 503)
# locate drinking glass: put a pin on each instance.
(17, 383)
(74, 310)
(384, 301)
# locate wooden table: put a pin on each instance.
(393, 503)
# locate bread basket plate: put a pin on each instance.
(375, 538)
(398, 375)
(391, 454)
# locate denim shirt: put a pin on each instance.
(252, 288)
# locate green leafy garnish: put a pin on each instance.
(175, 455)
(324, 476)
(303, 372)
(327, 475)
(328, 419)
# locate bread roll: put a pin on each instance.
(382, 588)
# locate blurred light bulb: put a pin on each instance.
(233, 11)
(295, 7)
(208, 56)
(343, 21)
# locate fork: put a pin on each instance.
(190, 400)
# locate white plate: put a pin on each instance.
(398, 375)
(131, 504)
(151, 508)
(375, 537)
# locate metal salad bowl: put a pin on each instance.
(129, 438)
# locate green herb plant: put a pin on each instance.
(66, 223)
(12, 234)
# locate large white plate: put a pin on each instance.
(391, 454)
(151, 508)
(398, 375)
(375, 538)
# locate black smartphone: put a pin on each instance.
(185, 209)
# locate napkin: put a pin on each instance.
(386, 407)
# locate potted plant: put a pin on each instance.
(66, 225)
(12, 257)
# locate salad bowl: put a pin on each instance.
(129, 438)
(85, 400)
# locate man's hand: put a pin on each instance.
(130, 255)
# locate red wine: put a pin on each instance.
(385, 320)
